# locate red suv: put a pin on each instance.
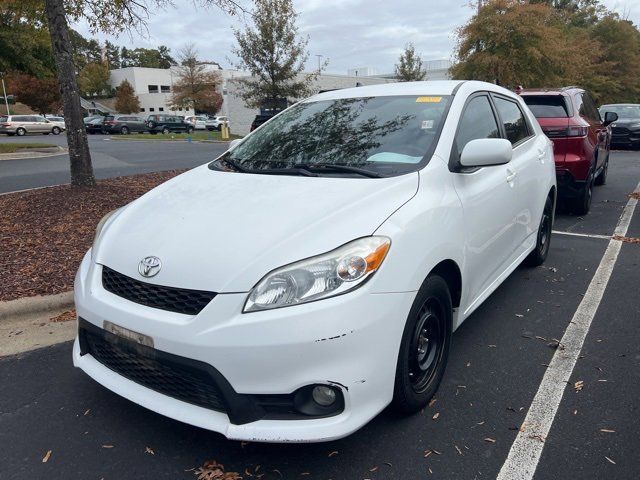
(569, 117)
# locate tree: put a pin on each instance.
(41, 95)
(514, 43)
(24, 47)
(196, 84)
(410, 67)
(126, 99)
(147, 57)
(112, 52)
(94, 79)
(272, 52)
(100, 15)
(615, 64)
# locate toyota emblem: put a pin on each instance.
(149, 266)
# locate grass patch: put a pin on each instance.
(195, 136)
(14, 147)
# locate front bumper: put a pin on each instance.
(350, 341)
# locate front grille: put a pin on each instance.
(180, 300)
(620, 131)
(177, 377)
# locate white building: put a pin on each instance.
(153, 86)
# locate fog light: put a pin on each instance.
(324, 396)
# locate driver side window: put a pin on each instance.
(477, 121)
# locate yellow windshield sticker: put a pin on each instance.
(428, 99)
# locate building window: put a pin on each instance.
(151, 109)
(180, 109)
(161, 109)
(165, 88)
(153, 88)
(142, 109)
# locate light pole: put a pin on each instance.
(319, 62)
(4, 92)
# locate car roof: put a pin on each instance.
(551, 91)
(438, 87)
(620, 105)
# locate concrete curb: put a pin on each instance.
(34, 305)
(179, 140)
(34, 153)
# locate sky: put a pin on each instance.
(347, 33)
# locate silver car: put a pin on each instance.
(22, 124)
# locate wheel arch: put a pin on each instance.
(450, 272)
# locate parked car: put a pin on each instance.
(90, 118)
(94, 126)
(215, 123)
(25, 124)
(199, 122)
(123, 124)
(361, 228)
(581, 139)
(625, 132)
(167, 124)
(56, 120)
(259, 120)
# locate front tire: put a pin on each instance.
(424, 348)
(582, 204)
(165, 131)
(539, 254)
(55, 130)
(602, 178)
(124, 131)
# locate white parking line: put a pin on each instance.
(523, 458)
(588, 235)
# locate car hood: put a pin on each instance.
(625, 122)
(223, 231)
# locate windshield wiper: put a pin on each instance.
(236, 166)
(325, 167)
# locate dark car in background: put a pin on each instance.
(259, 120)
(123, 124)
(168, 124)
(625, 131)
(94, 125)
(581, 140)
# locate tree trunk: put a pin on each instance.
(79, 156)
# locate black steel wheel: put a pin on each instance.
(424, 348)
(543, 241)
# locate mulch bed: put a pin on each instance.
(45, 233)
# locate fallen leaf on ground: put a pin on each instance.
(578, 385)
(458, 449)
(606, 430)
(149, 451)
(609, 460)
(435, 417)
(212, 470)
(432, 401)
(490, 440)
(107, 446)
(335, 452)
(64, 317)
(46, 457)
(87, 412)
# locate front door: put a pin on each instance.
(489, 204)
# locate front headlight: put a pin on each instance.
(100, 226)
(323, 276)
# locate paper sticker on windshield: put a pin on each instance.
(427, 124)
(428, 99)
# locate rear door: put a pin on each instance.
(601, 133)
(137, 124)
(489, 202)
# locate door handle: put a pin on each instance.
(510, 176)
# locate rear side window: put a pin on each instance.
(547, 106)
(478, 121)
(4, 119)
(513, 120)
(589, 109)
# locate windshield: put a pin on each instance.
(623, 111)
(388, 135)
(547, 106)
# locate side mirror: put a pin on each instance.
(485, 152)
(234, 143)
(610, 117)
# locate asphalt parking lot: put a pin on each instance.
(498, 360)
(111, 158)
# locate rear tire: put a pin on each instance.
(165, 131)
(124, 131)
(21, 132)
(539, 254)
(424, 348)
(582, 204)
